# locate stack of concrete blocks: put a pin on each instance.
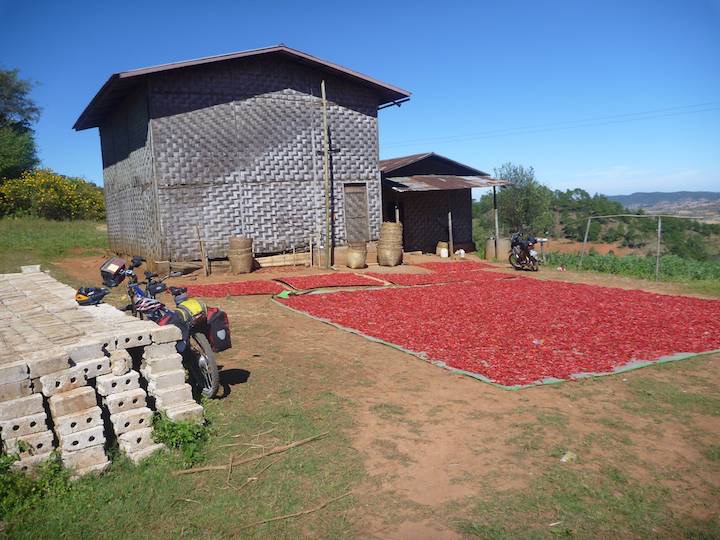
(23, 420)
(162, 367)
(59, 356)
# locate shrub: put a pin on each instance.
(47, 194)
(187, 437)
(19, 491)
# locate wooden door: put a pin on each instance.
(356, 213)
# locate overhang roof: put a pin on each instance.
(119, 84)
(389, 165)
(435, 182)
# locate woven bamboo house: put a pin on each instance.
(232, 145)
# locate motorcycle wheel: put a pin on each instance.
(534, 266)
(513, 260)
(202, 366)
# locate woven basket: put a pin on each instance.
(240, 242)
(389, 256)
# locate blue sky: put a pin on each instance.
(610, 96)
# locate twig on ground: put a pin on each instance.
(229, 474)
(296, 514)
(250, 479)
(276, 450)
(189, 500)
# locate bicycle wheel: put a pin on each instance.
(202, 366)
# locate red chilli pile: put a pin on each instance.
(521, 331)
(339, 279)
(239, 288)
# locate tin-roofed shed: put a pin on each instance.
(232, 144)
(422, 189)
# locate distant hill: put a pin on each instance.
(702, 204)
(641, 200)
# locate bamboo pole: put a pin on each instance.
(582, 253)
(497, 223)
(657, 254)
(450, 235)
(326, 177)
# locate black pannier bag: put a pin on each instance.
(218, 330)
(113, 272)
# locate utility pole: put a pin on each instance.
(657, 254)
(326, 177)
(497, 224)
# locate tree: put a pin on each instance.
(524, 205)
(18, 113)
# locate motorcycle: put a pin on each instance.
(205, 330)
(522, 253)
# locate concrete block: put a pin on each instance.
(93, 469)
(95, 368)
(90, 348)
(72, 402)
(166, 334)
(15, 372)
(15, 390)
(47, 361)
(125, 401)
(62, 381)
(72, 423)
(145, 453)
(112, 384)
(25, 425)
(120, 362)
(131, 420)
(30, 445)
(169, 362)
(128, 338)
(29, 464)
(135, 440)
(165, 379)
(23, 406)
(82, 459)
(186, 412)
(82, 439)
(172, 396)
(159, 350)
(30, 269)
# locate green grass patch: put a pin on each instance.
(567, 501)
(672, 267)
(149, 501)
(653, 398)
(713, 453)
(30, 240)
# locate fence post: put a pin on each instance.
(657, 255)
(582, 253)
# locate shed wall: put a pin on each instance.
(425, 217)
(131, 202)
(236, 149)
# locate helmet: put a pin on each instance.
(145, 304)
(90, 296)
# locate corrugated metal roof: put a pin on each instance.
(393, 164)
(434, 182)
(387, 165)
(118, 84)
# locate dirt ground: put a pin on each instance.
(434, 445)
(432, 440)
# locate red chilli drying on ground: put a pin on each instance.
(340, 279)
(521, 331)
(239, 288)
